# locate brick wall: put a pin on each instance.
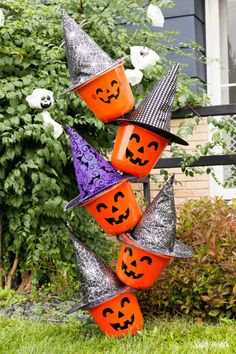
(188, 187)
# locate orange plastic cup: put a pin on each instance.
(116, 210)
(136, 150)
(119, 315)
(109, 95)
(138, 268)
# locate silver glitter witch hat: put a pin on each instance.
(154, 112)
(98, 282)
(85, 58)
(156, 230)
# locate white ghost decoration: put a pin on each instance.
(2, 18)
(42, 98)
(155, 15)
(134, 76)
(56, 126)
(143, 57)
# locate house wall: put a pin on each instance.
(187, 18)
(187, 187)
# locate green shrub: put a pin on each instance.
(36, 171)
(204, 286)
(9, 297)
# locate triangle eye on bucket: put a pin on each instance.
(144, 133)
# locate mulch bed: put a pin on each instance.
(52, 310)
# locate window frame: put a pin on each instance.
(217, 74)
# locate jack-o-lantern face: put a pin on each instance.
(136, 151)
(109, 93)
(112, 208)
(118, 215)
(119, 316)
(138, 268)
(131, 266)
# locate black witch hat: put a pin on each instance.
(154, 112)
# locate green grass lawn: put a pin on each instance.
(158, 336)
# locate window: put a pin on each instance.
(228, 72)
(221, 45)
(228, 36)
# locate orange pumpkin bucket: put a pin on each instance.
(137, 267)
(108, 95)
(119, 316)
(136, 150)
(116, 210)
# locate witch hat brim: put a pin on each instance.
(180, 250)
(155, 232)
(78, 200)
(154, 112)
(78, 84)
(89, 305)
(165, 134)
(94, 173)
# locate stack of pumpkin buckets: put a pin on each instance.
(147, 241)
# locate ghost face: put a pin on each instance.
(143, 57)
(46, 102)
(40, 98)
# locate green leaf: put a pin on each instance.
(27, 118)
(17, 173)
(214, 313)
(10, 110)
(27, 80)
(21, 108)
(15, 120)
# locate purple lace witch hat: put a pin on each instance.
(94, 174)
(156, 230)
(154, 112)
(98, 282)
(85, 58)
